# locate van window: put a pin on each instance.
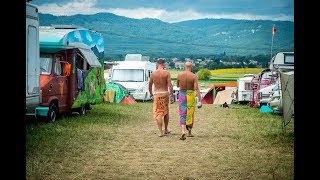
(45, 64)
(148, 74)
(127, 75)
(81, 63)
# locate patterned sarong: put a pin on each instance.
(186, 99)
(160, 105)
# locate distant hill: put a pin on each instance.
(153, 37)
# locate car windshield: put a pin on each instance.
(127, 75)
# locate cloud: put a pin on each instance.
(89, 7)
(70, 8)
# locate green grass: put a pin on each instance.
(119, 141)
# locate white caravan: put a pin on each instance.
(33, 92)
(244, 89)
(281, 63)
(134, 74)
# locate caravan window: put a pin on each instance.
(128, 75)
(45, 63)
(247, 86)
(288, 58)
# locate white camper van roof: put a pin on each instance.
(134, 65)
(133, 57)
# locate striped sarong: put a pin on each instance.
(187, 105)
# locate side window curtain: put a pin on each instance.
(80, 74)
(57, 68)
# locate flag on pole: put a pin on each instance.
(273, 30)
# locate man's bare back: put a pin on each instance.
(186, 80)
(161, 80)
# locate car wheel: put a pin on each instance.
(83, 110)
(52, 114)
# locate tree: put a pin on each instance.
(171, 64)
(204, 74)
(195, 69)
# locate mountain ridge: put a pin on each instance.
(153, 37)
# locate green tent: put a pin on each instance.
(120, 91)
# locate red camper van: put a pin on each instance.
(71, 70)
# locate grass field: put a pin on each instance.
(120, 141)
(221, 75)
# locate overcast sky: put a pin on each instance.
(174, 10)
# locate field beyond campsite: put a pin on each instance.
(120, 141)
(220, 75)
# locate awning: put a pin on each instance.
(91, 58)
(267, 89)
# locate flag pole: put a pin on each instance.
(272, 41)
(273, 31)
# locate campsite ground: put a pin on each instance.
(120, 141)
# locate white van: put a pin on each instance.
(33, 92)
(134, 74)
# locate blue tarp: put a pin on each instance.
(265, 108)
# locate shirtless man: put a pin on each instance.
(163, 91)
(188, 84)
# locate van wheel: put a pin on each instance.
(52, 114)
(82, 110)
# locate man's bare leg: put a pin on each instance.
(183, 132)
(189, 129)
(159, 123)
(166, 122)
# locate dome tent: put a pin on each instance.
(119, 92)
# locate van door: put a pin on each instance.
(60, 83)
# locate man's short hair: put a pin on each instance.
(161, 61)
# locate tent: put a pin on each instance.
(210, 96)
(115, 92)
(225, 96)
(287, 88)
(128, 100)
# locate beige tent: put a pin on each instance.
(287, 88)
(225, 96)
